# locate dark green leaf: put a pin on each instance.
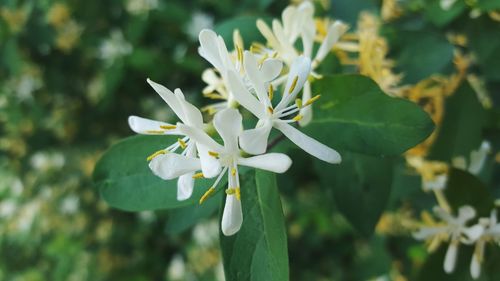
(440, 17)
(361, 188)
(460, 131)
(355, 115)
(259, 250)
(126, 182)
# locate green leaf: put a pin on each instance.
(361, 188)
(184, 218)
(441, 17)
(259, 250)
(247, 27)
(484, 41)
(464, 188)
(488, 5)
(125, 181)
(459, 140)
(355, 115)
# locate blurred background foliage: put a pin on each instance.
(71, 72)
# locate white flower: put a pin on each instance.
(199, 21)
(137, 7)
(299, 21)
(490, 232)
(447, 4)
(228, 123)
(114, 47)
(254, 141)
(189, 115)
(477, 159)
(454, 229)
(177, 268)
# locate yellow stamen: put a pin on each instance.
(298, 103)
(257, 48)
(238, 194)
(155, 132)
(198, 176)
(230, 191)
(297, 118)
(240, 53)
(213, 154)
(311, 100)
(294, 83)
(182, 143)
(271, 92)
(233, 171)
(270, 109)
(152, 156)
(274, 55)
(207, 194)
(168, 127)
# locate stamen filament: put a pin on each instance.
(152, 156)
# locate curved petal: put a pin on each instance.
(254, 74)
(168, 97)
(309, 144)
(243, 96)
(149, 127)
(200, 137)
(254, 141)
(171, 165)
(228, 123)
(450, 259)
(268, 34)
(192, 114)
(232, 217)
(299, 72)
(209, 47)
(270, 69)
(210, 166)
(273, 162)
(185, 185)
(335, 30)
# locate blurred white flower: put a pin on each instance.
(199, 21)
(452, 229)
(7, 208)
(45, 161)
(69, 205)
(147, 216)
(490, 233)
(476, 160)
(206, 234)
(114, 47)
(138, 7)
(177, 268)
(447, 4)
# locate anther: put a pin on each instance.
(168, 127)
(233, 171)
(270, 109)
(198, 176)
(207, 194)
(182, 143)
(271, 92)
(294, 84)
(152, 156)
(297, 118)
(213, 154)
(155, 132)
(311, 100)
(298, 103)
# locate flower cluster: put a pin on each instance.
(249, 80)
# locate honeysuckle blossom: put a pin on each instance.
(254, 141)
(490, 233)
(228, 123)
(189, 115)
(452, 229)
(299, 22)
(477, 159)
(434, 173)
(214, 50)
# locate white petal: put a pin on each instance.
(210, 166)
(200, 137)
(254, 74)
(209, 47)
(143, 125)
(244, 97)
(450, 259)
(254, 141)
(228, 124)
(309, 144)
(192, 114)
(273, 162)
(308, 33)
(475, 267)
(171, 165)
(466, 213)
(306, 112)
(185, 185)
(168, 97)
(270, 69)
(301, 67)
(478, 158)
(474, 232)
(232, 218)
(268, 34)
(335, 30)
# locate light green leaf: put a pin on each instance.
(259, 250)
(125, 181)
(354, 114)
